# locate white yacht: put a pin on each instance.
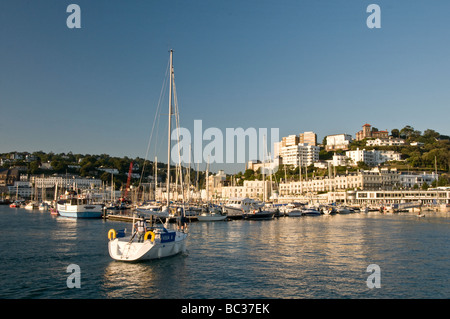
(158, 241)
(237, 206)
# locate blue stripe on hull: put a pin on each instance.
(81, 214)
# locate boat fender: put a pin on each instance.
(152, 234)
(112, 234)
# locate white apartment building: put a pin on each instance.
(62, 181)
(300, 153)
(251, 189)
(372, 157)
(409, 180)
(338, 142)
(386, 142)
(374, 179)
(21, 189)
(339, 160)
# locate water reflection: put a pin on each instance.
(317, 257)
(147, 279)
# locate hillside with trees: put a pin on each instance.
(90, 166)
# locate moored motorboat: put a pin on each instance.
(293, 210)
(236, 207)
(74, 206)
(343, 210)
(259, 214)
(294, 213)
(311, 212)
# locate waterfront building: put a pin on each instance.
(338, 142)
(66, 182)
(410, 179)
(20, 189)
(251, 189)
(383, 197)
(375, 179)
(438, 198)
(369, 131)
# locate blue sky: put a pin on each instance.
(293, 65)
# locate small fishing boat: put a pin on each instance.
(74, 206)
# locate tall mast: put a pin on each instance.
(170, 117)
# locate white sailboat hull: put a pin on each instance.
(123, 250)
(294, 213)
(211, 217)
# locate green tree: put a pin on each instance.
(363, 165)
(406, 131)
(395, 133)
(249, 174)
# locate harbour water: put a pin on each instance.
(288, 258)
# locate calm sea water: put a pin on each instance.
(307, 257)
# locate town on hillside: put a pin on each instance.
(341, 168)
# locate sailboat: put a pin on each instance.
(158, 241)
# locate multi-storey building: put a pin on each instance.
(297, 149)
(300, 154)
(372, 157)
(309, 138)
(252, 189)
(338, 142)
(66, 182)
